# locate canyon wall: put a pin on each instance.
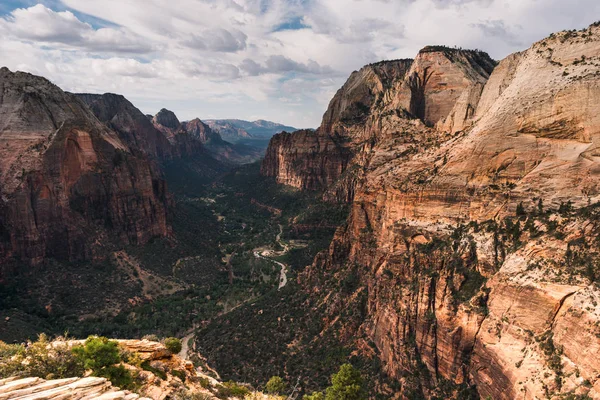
(473, 229)
(67, 179)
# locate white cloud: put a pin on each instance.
(274, 59)
(43, 25)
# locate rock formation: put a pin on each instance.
(67, 178)
(473, 222)
(194, 132)
(158, 373)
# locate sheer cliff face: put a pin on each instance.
(441, 86)
(473, 227)
(132, 126)
(67, 179)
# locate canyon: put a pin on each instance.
(472, 187)
(439, 229)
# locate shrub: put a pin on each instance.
(178, 373)
(100, 355)
(147, 367)
(152, 338)
(119, 376)
(98, 352)
(173, 345)
(275, 385)
(39, 359)
(314, 396)
(232, 389)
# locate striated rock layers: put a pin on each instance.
(473, 229)
(441, 86)
(67, 179)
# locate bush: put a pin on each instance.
(152, 338)
(98, 353)
(314, 396)
(39, 359)
(275, 385)
(232, 389)
(173, 345)
(119, 376)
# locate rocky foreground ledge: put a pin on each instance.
(70, 388)
(159, 375)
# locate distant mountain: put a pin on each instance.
(235, 130)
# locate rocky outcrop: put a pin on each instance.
(202, 132)
(305, 159)
(440, 87)
(472, 221)
(71, 388)
(67, 178)
(131, 124)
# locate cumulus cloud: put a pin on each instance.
(281, 64)
(498, 29)
(272, 59)
(41, 24)
(218, 39)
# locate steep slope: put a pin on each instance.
(132, 126)
(195, 131)
(67, 179)
(473, 230)
(376, 103)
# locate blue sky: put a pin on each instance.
(280, 60)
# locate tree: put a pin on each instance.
(101, 356)
(346, 384)
(276, 385)
(173, 345)
(521, 210)
(98, 353)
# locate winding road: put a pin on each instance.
(265, 255)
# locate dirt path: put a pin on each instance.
(183, 354)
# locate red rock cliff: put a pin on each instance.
(67, 179)
(473, 226)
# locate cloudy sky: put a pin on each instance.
(280, 60)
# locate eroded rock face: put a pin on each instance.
(133, 127)
(471, 262)
(441, 86)
(202, 132)
(194, 138)
(66, 177)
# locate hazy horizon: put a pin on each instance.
(275, 60)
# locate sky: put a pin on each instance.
(280, 60)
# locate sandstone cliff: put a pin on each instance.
(473, 223)
(441, 86)
(67, 178)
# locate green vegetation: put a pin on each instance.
(173, 345)
(40, 360)
(275, 385)
(100, 355)
(346, 384)
(232, 389)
